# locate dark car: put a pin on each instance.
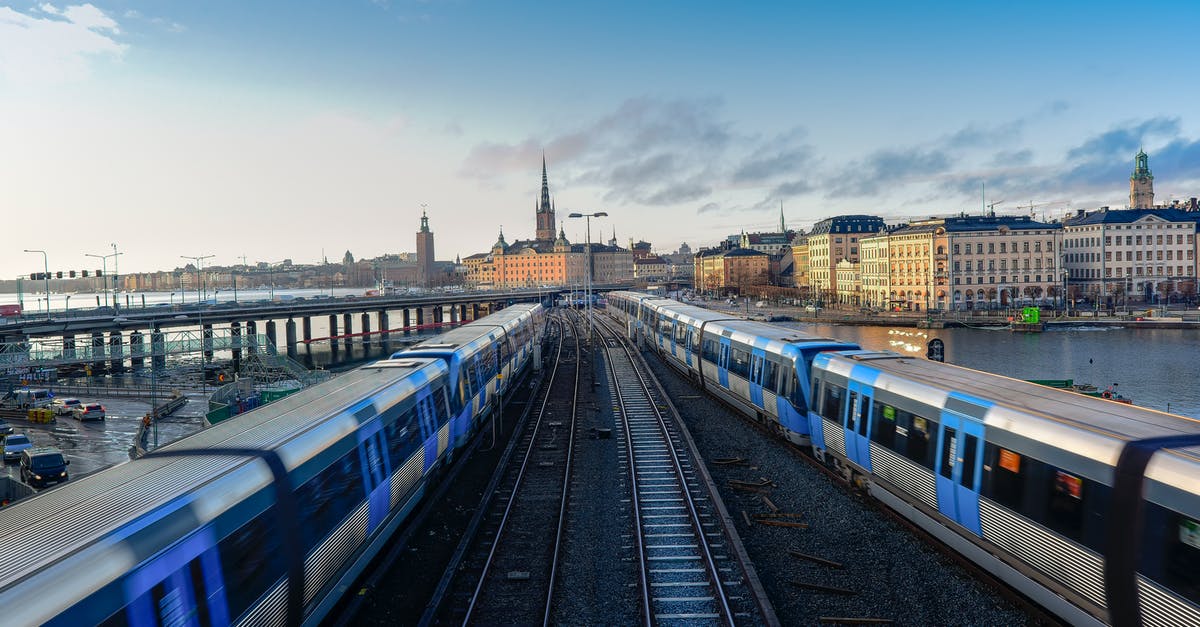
(42, 466)
(5, 428)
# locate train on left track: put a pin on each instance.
(270, 517)
(1088, 506)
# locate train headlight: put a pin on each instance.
(38, 477)
(62, 474)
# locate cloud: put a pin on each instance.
(1123, 141)
(890, 166)
(1008, 158)
(708, 207)
(57, 48)
(792, 188)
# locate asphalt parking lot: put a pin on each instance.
(95, 445)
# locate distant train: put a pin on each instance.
(1088, 506)
(200, 533)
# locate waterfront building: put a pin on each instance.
(731, 269)
(849, 283)
(547, 260)
(998, 261)
(1116, 256)
(910, 266)
(875, 269)
(1141, 183)
(800, 263)
(832, 240)
(425, 254)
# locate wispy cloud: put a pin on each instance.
(57, 47)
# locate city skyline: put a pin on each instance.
(277, 131)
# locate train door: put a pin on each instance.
(958, 467)
(688, 339)
(671, 325)
(723, 363)
(182, 586)
(857, 423)
(758, 358)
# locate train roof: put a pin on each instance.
(473, 331)
(740, 328)
(50, 526)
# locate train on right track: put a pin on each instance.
(1089, 507)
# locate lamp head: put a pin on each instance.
(600, 214)
(572, 215)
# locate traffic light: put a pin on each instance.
(85, 274)
(99, 273)
(72, 274)
(59, 273)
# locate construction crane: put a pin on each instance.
(992, 208)
(1033, 206)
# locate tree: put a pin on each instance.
(348, 259)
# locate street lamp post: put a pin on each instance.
(199, 313)
(588, 260)
(104, 270)
(46, 267)
(67, 308)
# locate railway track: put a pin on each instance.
(692, 568)
(507, 574)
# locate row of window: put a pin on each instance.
(1037, 278)
(991, 264)
(1069, 504)
(1004, 247)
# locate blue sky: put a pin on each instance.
(281, 129)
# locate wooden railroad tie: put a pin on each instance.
(726, 461)
(750, 484)
(747, 518)
(822, 588)
(780, 520)
(844, 620)
(815, 559)
(766, 501)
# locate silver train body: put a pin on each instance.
(1038, 486)
(196, 534)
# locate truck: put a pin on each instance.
(27, 398)
(10, 310)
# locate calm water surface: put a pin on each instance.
(1157, 368)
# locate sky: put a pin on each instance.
(270, 130)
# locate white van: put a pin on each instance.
(27, 398)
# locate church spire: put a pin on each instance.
(545, 209)
(782, 224)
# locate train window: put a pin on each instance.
(756, 368)
(739, 362)
(328, 497)
(681, 331)
(831, 404)
(885, 425)
(1002, 471)
(970, 444)
(852, 419)
(771, 376)
(917, 446)
(710, 350)
(949, 451)
(252, 560)
(402, 436)
(695, 339)
(1179, 539)
(1065, 507)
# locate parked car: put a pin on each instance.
(42, 466)
(760, 304)
(812, 309)
(65, 406)
(14, 444)
(90, 411)
(5, 428)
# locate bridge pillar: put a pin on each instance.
(251, 336)
(97, 351)
(474, 311)
(366, 328)
(333, 332)
(306, 322)
(347, 329)
(384, 325)
(206, 341)
(272, 335)
(438, 313)
(116, 352)
(420, 316)
(462, 314)
(407, 315)
(290, 337)
(235, 339)
(158, 349)
(69, 346)
(137, 350)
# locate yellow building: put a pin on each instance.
(832, 240)
(731, 270)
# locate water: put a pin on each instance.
(1154, 367)
(33, 301)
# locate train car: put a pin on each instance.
(759, 368)
(482, 356)
(199, 532)
(1021, 479)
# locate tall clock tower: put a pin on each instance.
(1141, 183)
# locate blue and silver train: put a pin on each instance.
(751, 365)
(1088, 506)
(264, 519)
